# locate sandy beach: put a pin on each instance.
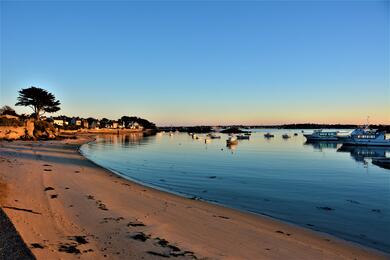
(65, 207)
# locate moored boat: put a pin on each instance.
(213, 136)
(268, 135)
(382, 162)
(367, 137)
(242, 137)
(232, 140)
(285, 136)
(320, 135)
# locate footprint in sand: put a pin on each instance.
(173, 250)
(135, 224)
(37, 245)
(141, 236)
(281, 232)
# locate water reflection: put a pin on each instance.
(320, 145)
(360, 153)
(283, 179)
(131, 140)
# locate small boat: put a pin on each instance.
(194, 136)
(214, 136)
(295, 134)
(170, 133)
(382, 162)
(285, 136)
(207, 140)
(367, 137)
(268, 135)
(232, 140)
(242, 137)
(247, 134)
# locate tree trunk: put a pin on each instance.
(37, 114)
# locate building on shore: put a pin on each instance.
(84, 123)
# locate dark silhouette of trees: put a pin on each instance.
(126, 120)
(7, 110)
(39, 100)
(104, 122)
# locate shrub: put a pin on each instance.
(10, 122)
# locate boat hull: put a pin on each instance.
(373, 143)
(312, 138)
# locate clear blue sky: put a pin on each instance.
(206, 62)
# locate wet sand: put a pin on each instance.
(64, 206)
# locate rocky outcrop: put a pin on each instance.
(29, 129)
(44, 130)
(12, 132)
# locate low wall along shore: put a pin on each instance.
(26, 131)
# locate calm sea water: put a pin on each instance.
(322, 186)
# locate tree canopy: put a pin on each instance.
(39, 100)
(130, 119)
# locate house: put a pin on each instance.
(84, 123)
(76, 121)
(59, 122)
(135, 126)
(93, 124)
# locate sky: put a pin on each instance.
(202, 62)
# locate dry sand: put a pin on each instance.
(66, 207)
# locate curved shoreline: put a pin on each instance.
(189, 196)
(102, 202)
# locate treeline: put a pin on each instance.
(187, 129)
(315, 126)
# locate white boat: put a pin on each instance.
(320, 135)
(232, 140)
(365, 136)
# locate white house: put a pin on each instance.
(135, 125)
(59, 122)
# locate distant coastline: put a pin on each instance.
(207, 128)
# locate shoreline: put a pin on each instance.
(114, 215)
(242, 210)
